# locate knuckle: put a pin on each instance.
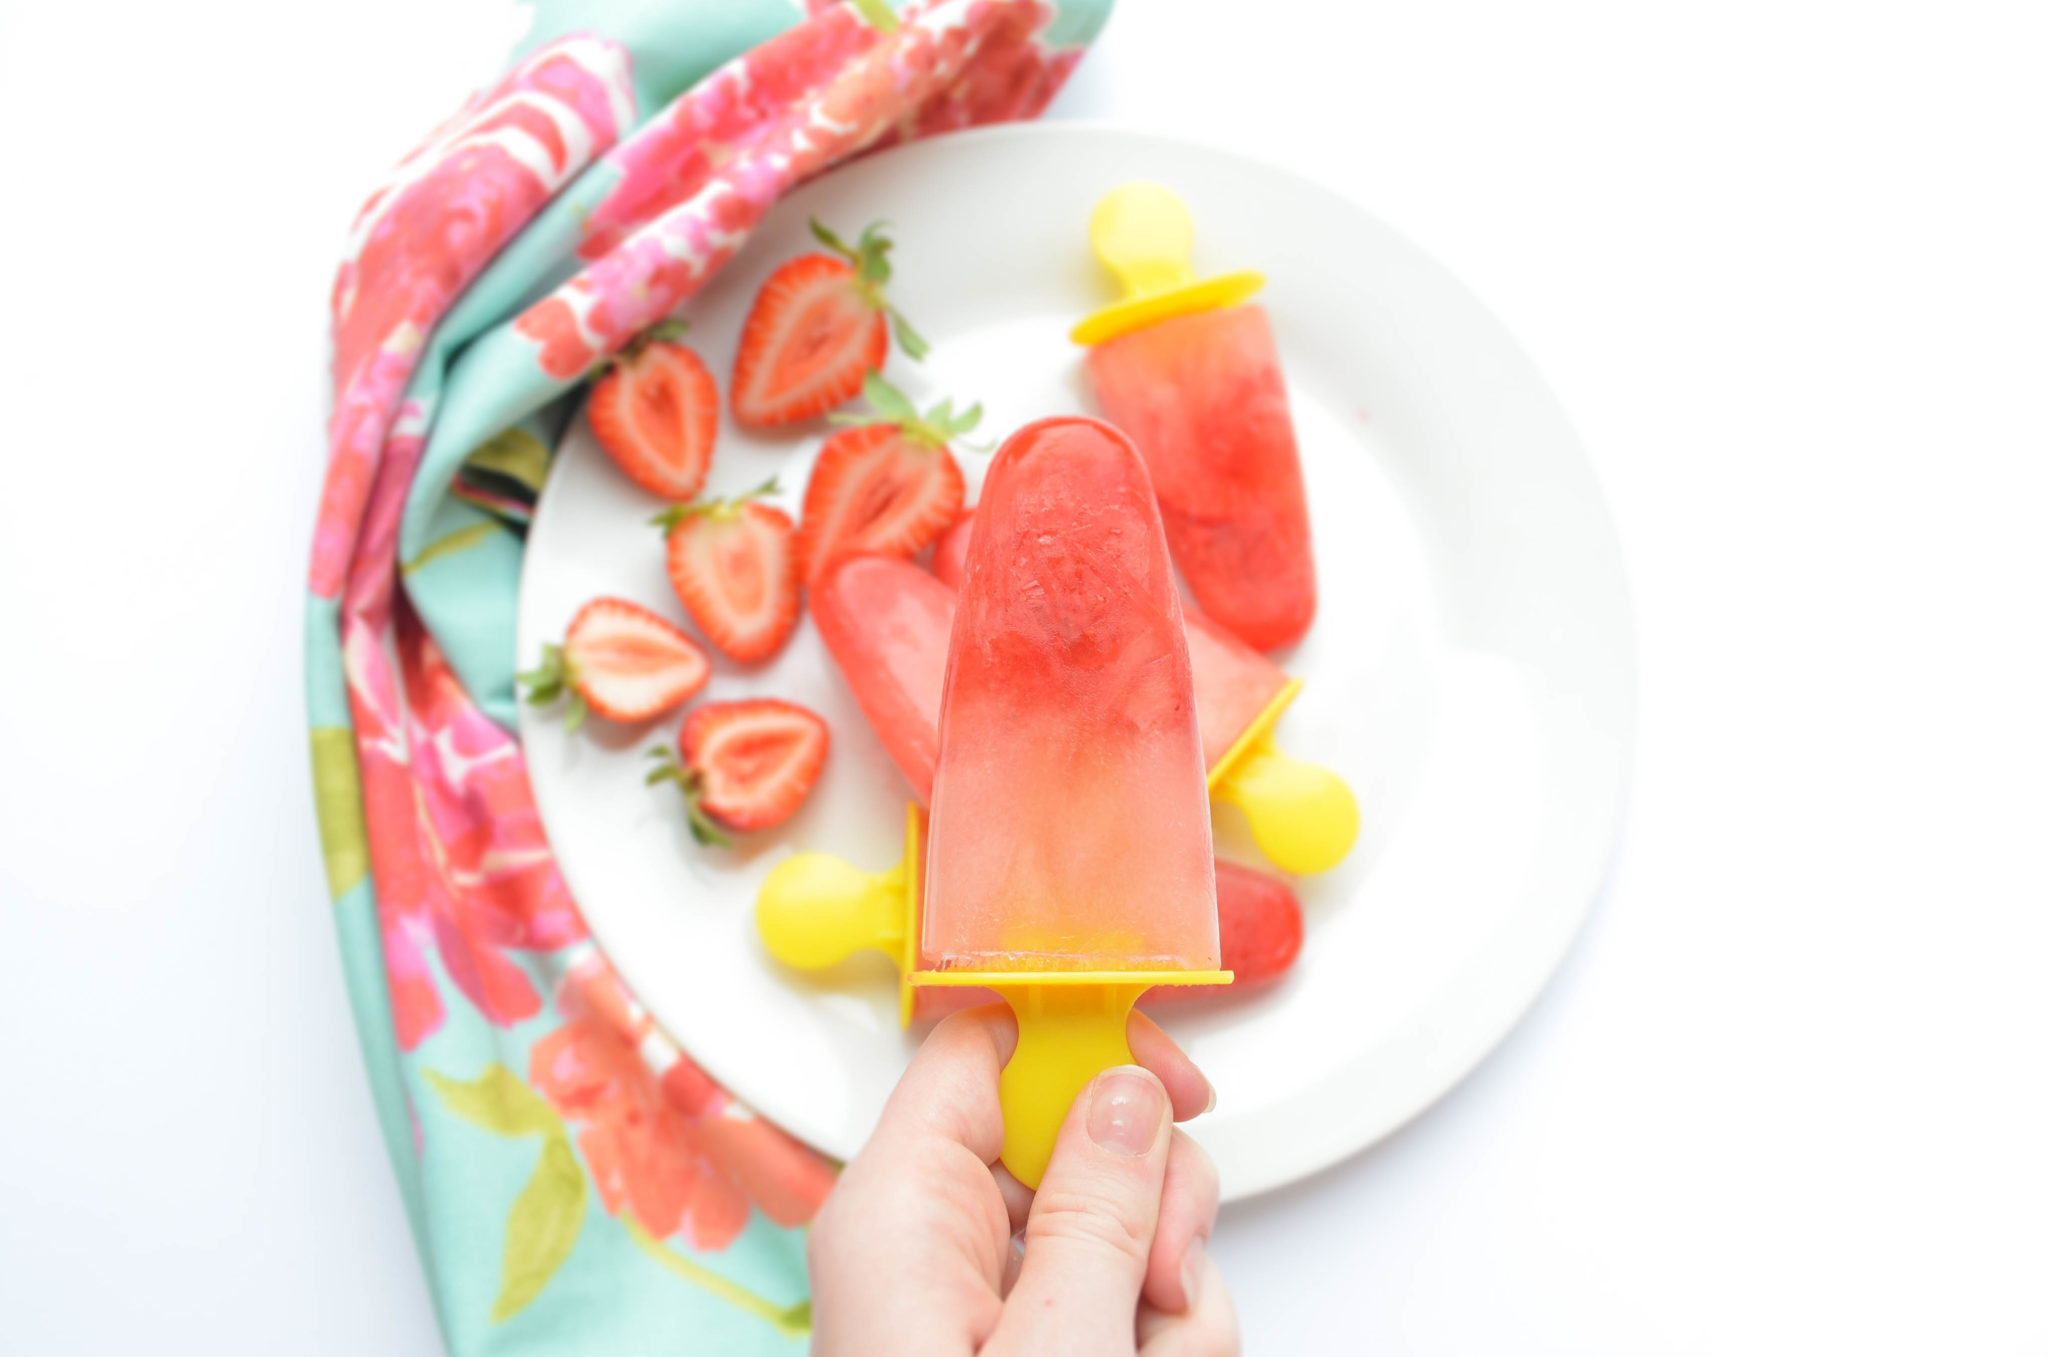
(1115, 1230)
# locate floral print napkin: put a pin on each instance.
(575, 1183)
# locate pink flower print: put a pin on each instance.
(404, 882)
(1012, 76)
(677, 153)
(422, 237)
(642, 1152)
(785, 1178)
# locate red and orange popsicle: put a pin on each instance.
(1188, 368)
(1069, 867)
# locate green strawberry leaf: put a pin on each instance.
(910, 341)
(872, 257)
(829, 239)
(888, 402)
(673, 517)
(935, 428)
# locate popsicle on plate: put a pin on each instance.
(1189, 370)
(1069, 867)
(888, 624)
(1302, 815)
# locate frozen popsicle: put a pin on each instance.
(888, 624)
(1189, 370)
(1302, 815)
(1069, 867)
(815, 910)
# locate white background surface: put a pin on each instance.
(1786, 264)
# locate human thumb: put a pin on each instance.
(1090, 1229)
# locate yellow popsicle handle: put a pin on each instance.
(1303, 816)
(1145, 236)
(1066, 1035)
(815, 910)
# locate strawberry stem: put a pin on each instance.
(669, 519)
(872, 272)
(670, 768)
(550, 681)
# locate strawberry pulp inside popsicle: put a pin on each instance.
(1070, 821)
(1202, 397)
(1234, 684)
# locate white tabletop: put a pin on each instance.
(1786, 264)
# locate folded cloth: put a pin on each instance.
(575, 1183)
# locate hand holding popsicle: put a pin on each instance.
(1069, 866)
(912, 1252)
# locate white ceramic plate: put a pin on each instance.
(1471, 670)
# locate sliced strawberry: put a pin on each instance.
(819, 325)
(744, 765)
(620, 661)
(656, 413)
(887, 486)
(949, 556)
(733, 564)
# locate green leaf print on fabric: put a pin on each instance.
(462, 539)
(514, 454)
(878, 14)
(792, 1321)
(542, 1229)
(338, 797)
(499, 1101)
(547, 1216)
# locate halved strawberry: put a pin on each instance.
(744, 765)
(656, 413)
(819, 325)
(949, 554)
(733, 564)
(620, 661)
(888, 485)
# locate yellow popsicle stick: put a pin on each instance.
(1303, 816)
(816, 910)
(1146, 236)
(1070, 1028)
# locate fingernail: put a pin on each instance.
(1125, 1111)
(1212, 1099)
(1191, 1269)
